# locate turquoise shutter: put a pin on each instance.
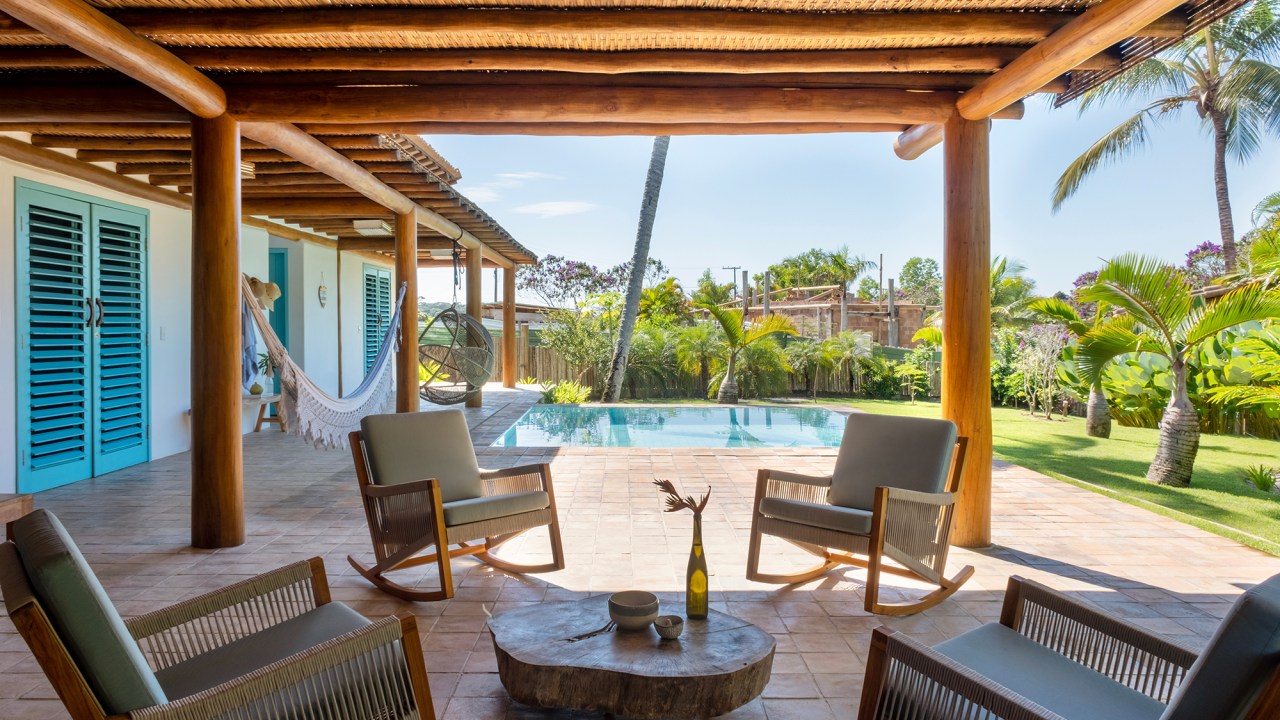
(377, 310)
(54, 375)
(120, 340)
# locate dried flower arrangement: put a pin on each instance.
(676, 503)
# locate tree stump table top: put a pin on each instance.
(718, 664)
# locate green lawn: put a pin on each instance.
(1217, 500)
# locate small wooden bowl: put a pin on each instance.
(669, 626)
(633, 609)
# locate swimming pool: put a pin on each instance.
(667, 427)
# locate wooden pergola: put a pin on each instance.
(332, 95)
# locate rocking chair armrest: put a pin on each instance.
(375, 671)
(522, 478)
(200, 624)
(1094, 639)
(915, 675)
(783, 485)
(941, 499)
(406, 488)
(782, 476)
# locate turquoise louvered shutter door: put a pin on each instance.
(377, 311)
(121, 418)
(54, 372)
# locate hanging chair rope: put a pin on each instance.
(311, 413)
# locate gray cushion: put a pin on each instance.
(1047, 678)
(259, 650)
(831, 517)
(1239, 659)
(463, 512)
(83, 615)
(883, 450)
(419, 446)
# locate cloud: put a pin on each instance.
(556, 208)
(482, 194)
(493, 190)
(519, 178)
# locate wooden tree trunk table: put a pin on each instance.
(718, 664)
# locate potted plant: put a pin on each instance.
(268, 370)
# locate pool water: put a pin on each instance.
(670, 427)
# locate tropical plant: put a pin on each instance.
(848, 350)
(664, 303)
(1261, 477)
(1263, 387)
(1007, 385)
(1010, 292)
(1097, 410)
(584, 335)
(710, 292)
(818, 267)
(921, 281)
(868, 290)
(911, 376)
(1039, 350)
(806, 357)
(1226, 74)
(762, 371)
(1163, 318)
(639, 263)
(652, 362)
(737, 338)
(566, 392)
(697, 346)
(878, 380)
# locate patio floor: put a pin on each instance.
(133, 527)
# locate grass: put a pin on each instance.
(1218, 500)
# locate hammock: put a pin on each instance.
(311, 413)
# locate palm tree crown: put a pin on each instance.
(1225, 73)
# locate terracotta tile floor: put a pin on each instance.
(133, 526)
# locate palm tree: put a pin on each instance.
(1010, 292)
(1225, 73)
(1098, 414)
(848, 350)
(696, 346)
(737, 338)
(1164, 319)
(806, 357)
(639, 263)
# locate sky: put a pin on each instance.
(753, 200)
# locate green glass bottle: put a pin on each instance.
(697, 598)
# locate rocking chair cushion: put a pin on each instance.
(465, 512)
(1045, 677)
(887, 451)
(829, 517)
(419, 446)
(84, 616)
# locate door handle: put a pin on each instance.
(102, 311)
(88, 304)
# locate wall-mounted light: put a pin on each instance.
(322, 292)
(373, 228)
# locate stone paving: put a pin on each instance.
(133, 527)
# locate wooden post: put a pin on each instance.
(474, 305)
(509, 368)
(217, 455)
(522, 352)
(407, 274)
(966, 322)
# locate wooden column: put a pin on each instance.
(474, 305)
(407, 274)
(509, 368)
(966, 323)
(217, 456)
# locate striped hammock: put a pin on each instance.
(311, 413)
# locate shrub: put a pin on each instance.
(1261, 477)
(879, 382)
(567, 392)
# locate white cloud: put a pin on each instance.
(556, 208)
(520, 178)
(482, 194)
(493, 190)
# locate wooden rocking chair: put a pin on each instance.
(422, 488)
(891, 496)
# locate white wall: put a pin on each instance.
(170, 313)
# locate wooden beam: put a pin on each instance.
(217, 467)
(539, 104)
(91, 142)
(1097, 28)
(461, 25)
(388, 244)
(102, 129)
(57, 162)
(916, 140)
(597, 129)
(112, 104)
(966, 321)
(406, 242)
(509, 368)
(87, 29)
(309, 207)
(475, 304)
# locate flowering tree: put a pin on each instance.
(1205, 263)
(562, 282)
(1039, 350)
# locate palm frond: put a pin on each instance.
(1154, 293)
(1257, 396)
(1266, 209)
(1244, 304)
(928, 334)
(1158, 75)
(1125, 139)
(730, 322)
(1059, 311)
(1109, 340)
(768, 326)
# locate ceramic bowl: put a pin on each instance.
(669, 626)
(633, 609)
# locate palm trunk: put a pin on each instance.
(704, 375)
(729, 387)
(1179, 436)
(1225, 225)
(1098, 422)
(639, 264)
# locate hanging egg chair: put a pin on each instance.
(455, 358)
